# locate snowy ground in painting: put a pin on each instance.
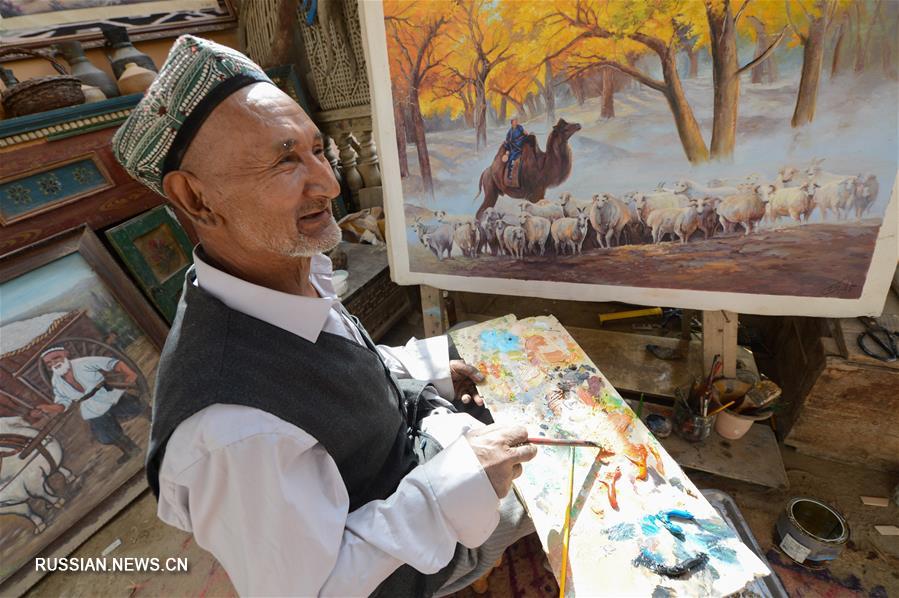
(855, 131)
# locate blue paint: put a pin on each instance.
(494, 340)
(723, 553)
(649, 526)
(663, 518)
(622, 531)
(718, 528)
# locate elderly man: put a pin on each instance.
(292, 447)
(82, 381)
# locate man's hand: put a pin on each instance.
(51, 408)
(464, 378)
(501, 451)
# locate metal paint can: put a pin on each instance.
(811, 532)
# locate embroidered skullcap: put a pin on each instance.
(196, 77)
(53, 350)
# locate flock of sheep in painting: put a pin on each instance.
(518, 228)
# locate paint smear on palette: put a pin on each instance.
(638, 523)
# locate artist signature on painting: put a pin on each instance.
(839, 288)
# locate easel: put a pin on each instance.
(719, 329)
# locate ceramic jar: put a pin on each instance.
(85, 70)
(123, 53)
(7, 78)
(135, 79)
(93, 94)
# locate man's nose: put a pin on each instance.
(322, 180)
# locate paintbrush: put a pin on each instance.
(563, 442)
(566, 530)
(721, 408)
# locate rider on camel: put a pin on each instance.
(513, 145)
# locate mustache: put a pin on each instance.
(314, 209)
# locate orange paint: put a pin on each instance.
(555, 356)
(532, 346)
(585, 397)
(610, 487)
(659, 467)
(639, 461)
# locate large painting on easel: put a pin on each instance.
(715, 154)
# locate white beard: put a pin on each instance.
(308, 246)
(62, 368)
(303, 245)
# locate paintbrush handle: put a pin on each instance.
(721, 408)
(561, 442)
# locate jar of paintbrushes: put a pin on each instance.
(689, 423)
(693, 415)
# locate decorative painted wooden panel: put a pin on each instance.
(49, 187)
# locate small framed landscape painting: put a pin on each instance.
(157, 251)
(79, 347)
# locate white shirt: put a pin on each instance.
(88, 372)
(268, 501)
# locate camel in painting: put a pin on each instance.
(538, 170)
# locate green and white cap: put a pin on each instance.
(196, 77)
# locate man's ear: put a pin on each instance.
(185, 191)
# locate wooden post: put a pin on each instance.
(719, 337)
(432, 311)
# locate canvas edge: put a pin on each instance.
(870, 302)
(374, 46)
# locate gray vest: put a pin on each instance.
(336, 390)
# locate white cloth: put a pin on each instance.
(268, 501)
(88, 372)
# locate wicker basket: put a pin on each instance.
(41, 93)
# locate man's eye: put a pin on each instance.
(286, 158)
(319, 151)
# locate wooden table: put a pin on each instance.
(755, 458)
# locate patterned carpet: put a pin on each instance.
(523, 574)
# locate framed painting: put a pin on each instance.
(30, 23)
(677, 156)
(79, 347)
(52, 186)
(157, 252)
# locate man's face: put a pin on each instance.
(514, 122)
(58, 362)
(262, 166)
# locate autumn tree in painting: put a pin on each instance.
(810, 29)
(413, 30)
(723, 25)
(479, 45)
(476, 59)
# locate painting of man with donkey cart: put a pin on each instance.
(76, 369)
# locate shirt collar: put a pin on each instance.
(303, 316)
